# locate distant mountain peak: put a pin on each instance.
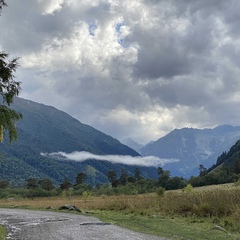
(132, 143)
(192, 147)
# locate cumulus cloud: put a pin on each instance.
(148, 161)
(129, 68)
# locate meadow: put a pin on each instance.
(211, 212)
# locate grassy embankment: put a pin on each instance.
(197, 214)
(3, 233)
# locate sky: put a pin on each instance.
(129, 68)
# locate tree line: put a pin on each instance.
(122, 184)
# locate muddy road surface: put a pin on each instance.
(46, 225)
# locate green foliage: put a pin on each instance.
(141, 185)
(237, 183)
(237, 166)
(64, 193)
(80, 179)
(8, 119)
(9, 88)
(188, 188)
(3, 233)
(4, 184)
(31, 183)
(229, 159)
(175, 183)
(112, 175)
(86, 195)
(160, 191)
(17, 193)
(46, 184)
(137, 174)
(65, 185)
(164, 177)
(218, 176)
(123, 177)
(81, 188)
(202, 170)
(226, 169)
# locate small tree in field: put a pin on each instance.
(80, 179)
(188, 188)
(112, 177)
(4, 184)
(31, 183)
(65, 185)
(46, 184)
(137, 174)
(160, 191)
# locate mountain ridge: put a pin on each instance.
(192, 147)
(47, 129)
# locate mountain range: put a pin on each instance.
(45, 129)
(192, 147)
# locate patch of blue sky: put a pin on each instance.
(121, 40)
(118, 26)
(91, 28)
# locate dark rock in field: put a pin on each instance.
(70, 208)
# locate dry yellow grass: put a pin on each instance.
(217, 205)
(91, 203)
(218, 200)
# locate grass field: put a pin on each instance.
(3, 233)
(211, 212)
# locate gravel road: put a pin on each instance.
(46, 225)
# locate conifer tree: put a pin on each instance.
(9, 88)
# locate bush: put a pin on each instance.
(160, 191)
(237, 183)
(188, 188)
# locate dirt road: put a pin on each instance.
(46, 225)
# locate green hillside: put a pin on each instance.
(230, 159)
(46, 129)
(225, 170)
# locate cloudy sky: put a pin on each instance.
(130, 68)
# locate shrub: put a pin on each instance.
(160, 191)
(237, 183)
(188, 188)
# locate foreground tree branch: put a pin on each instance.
(9, 88)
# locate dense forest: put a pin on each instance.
(124, 183)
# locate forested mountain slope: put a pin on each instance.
(46, 129)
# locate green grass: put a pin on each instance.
(174, 214)
(3, 233)
(169, 227)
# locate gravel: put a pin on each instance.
(46, 225)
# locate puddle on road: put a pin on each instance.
(57, 220)
(94, 223)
